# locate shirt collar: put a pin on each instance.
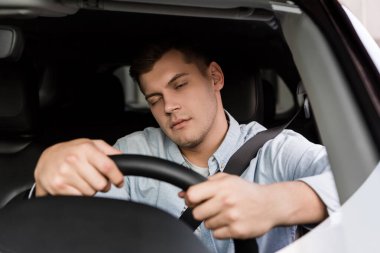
(174, 154)
(229, 144)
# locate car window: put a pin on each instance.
(367, 40)
(133, 97)
(284, 100)
(77, 52)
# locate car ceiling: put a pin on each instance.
(55, 8)
(84, 32)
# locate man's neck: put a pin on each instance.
(200, 154)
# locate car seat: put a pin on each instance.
(247, 96)
(19, 149)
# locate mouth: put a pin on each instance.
(178, 124)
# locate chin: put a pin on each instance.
(187, 143)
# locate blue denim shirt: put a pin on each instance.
(287, 157)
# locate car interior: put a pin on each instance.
(61, 82)
(64, 74)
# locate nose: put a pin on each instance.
(171, 105)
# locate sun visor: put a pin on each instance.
(11, 43)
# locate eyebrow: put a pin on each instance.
(174, 78)
(171, 81)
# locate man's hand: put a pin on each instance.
(235, 208)
(78, 167)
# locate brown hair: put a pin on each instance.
(152, 52)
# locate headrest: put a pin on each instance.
(18, 100)
(242, 94)
(11, 43)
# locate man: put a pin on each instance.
(288, 183)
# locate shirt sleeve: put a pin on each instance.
(293, 157)
(323, 185)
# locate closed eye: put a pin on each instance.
(180, 85)
(153, 100)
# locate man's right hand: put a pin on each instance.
(78, 167)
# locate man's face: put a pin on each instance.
(182, 99)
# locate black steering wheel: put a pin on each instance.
(83, 224)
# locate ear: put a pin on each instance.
(216, 75)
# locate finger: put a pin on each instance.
(222, 233)
(237, 231)
(107, 188)
(69, 177)
(201, 192)
(71, 191)
(105, 148)
(79, 188)
(107, 167)
(40, 191)
(206, 190)
(217, 221)
(208, 209)
(96, 180)
(80, 185)
(181, 194)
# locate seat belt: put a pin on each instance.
(236, 165)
